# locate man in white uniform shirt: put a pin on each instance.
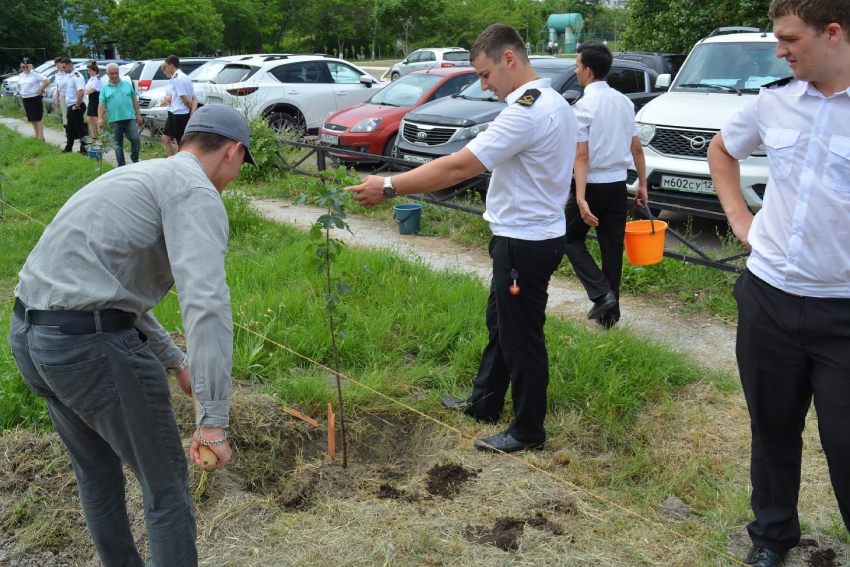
(181, 91)
(794, 297)
(75, 93)
(607, 144)
(529, 148)
(59, 92)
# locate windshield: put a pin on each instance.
(731, 67)
(207, 71)
(406, 91)
(474, 92)
(456, 56)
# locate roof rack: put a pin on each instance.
(719, 31)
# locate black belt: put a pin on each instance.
(77, 322)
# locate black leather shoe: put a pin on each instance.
(605, 322)
(601, 305)
(454, 403)
(761, 557)
(504, 442)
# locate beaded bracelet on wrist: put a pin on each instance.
(203, 441)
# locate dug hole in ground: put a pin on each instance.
(416, 493)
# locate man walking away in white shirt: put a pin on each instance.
(529, 147)
(607, 144)
(794, 297)
(180, 103)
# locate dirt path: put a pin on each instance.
(711, 342)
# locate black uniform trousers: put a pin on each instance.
(76, 128)
(791, 349)
(609, 203)
(516, 354)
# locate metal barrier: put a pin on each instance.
(478, 184)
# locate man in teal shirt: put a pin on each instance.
(119, 100)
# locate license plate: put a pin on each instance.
(417, 159)
(687, 184)
(328, 139)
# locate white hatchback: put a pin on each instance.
(291, 90)
(720, 76)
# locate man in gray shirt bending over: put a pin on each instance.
(85, 340)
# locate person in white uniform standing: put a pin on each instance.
(529, 147)
(794, 297)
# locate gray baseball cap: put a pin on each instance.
(225, 121)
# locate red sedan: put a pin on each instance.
(371, 127)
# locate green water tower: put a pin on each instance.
(564, 28)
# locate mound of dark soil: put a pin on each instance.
(823, 558)
(445, 480)
(507, 531)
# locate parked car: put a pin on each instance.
(435, 57)
(148, 74)
(660, 61)
(445, 126)
(151, 103)
(291, 90)
(720, 76)
(371, 127)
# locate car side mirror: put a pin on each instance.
(367, 80)
(662, 83)
(571, 96)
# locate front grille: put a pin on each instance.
(334, 127)
(144, 102)
(682, 143)
(429, 135)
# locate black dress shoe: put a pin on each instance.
(605, 322)
(504, 442)
(761, 557)
(601, 305)
(454, 403)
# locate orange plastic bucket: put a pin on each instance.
(645, 242)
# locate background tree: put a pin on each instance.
(241, 25)
(29, 23)
(94, 15)
(676, 25)
(409, 20)
(158, 28)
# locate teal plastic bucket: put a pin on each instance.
(95, 154)
(409, 217)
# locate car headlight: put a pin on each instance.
(367, 125)
(470, 132)
(760, 151)
(646, 132)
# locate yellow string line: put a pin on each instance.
(470, 437)
(23, 213)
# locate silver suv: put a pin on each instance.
(291, 90)
(422, 59)
(148, 74)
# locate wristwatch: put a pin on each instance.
(388, 191)
(184, 364)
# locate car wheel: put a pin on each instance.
(395, 76)
(390, 150)
(282, 122)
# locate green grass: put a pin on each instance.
(408, 329)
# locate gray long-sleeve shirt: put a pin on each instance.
(121, 242)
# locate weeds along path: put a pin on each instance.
(708, 340)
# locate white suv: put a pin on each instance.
(148, 74)
(721, 75)
(422, 59)
(293, 90)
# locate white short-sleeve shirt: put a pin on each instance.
(29, 83)
(180, 84)
(606, 121)
(94, 83)
(73, 83)
(801, 236)
(530, 149)
(61, 81)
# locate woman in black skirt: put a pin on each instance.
(31, 85)
(93, 88)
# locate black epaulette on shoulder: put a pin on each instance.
(77, 74)
(779, 83)
(529, 97)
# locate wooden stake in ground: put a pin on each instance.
(331, 433)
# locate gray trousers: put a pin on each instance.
(109, 399)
